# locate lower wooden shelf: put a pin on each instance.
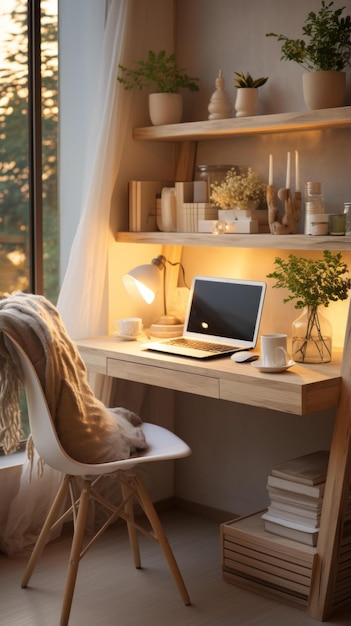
(265, 563)
(276, 567)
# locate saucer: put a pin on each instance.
(272, 370)
(127, 337)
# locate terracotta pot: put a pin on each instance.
(165, 108)
(324, 89)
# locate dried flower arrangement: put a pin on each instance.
(241, 191)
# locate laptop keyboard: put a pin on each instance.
(198, 345)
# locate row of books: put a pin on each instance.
(296, 489)
(192, 211)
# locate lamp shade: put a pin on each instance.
(144, 280)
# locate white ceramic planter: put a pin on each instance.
(324, 90)
(246, 103)
(165, 108)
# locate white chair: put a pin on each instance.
(163, 445)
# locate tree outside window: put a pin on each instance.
(15, 255)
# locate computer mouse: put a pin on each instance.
(244, 356)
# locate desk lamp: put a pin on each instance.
(146, 281)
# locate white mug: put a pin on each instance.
(129, 326)
(274, 350)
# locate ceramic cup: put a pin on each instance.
(274, 350)
(129, 326)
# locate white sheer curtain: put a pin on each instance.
(83, 299)
(86, 275)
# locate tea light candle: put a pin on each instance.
(297, 171)
(288, 161)
(270, 170)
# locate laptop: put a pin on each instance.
(223, 316)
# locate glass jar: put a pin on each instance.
(215, 174)
(347, 210)
(314, 204)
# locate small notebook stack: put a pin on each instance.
(296, 490)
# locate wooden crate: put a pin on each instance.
(265, 563)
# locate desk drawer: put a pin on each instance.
(163, 377)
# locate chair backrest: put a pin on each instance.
(42, 429)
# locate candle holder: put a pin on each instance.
(288, 223)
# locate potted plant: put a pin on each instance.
(324, 54)
(312, 284)
(237, 194)
(160, 71)
(246, 102)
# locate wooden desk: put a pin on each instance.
(302, 389)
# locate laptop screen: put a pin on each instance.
(225, 309)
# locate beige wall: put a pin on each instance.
(233, 445)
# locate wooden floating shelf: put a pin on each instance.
(221, 129)
(279, 242)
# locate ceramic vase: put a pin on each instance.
(311, 337)
(324, 89)
(246, 103)
(165, 108)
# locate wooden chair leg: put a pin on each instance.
(44, 533)
(156, 525)
(132, 532)
(75, 553)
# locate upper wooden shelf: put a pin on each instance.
(221, 129)
(279, 242)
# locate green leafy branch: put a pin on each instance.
(312, 282)
(328, 45)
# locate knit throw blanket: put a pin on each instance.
(88, 431)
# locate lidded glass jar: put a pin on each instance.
(215, 174)
(314, 204)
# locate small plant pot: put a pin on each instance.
(324, 90)
(246, 103)
(165, 108)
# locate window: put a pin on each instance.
(29, 232)
(28, 151)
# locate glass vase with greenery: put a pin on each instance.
(312, 284)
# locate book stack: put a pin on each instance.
(296, 490)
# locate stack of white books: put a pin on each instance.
(296, 490)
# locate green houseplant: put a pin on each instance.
(312, 284)
(246, 102)
(325, 50)
(242, 80)
(159, 71)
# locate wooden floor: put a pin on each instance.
(110, 592)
